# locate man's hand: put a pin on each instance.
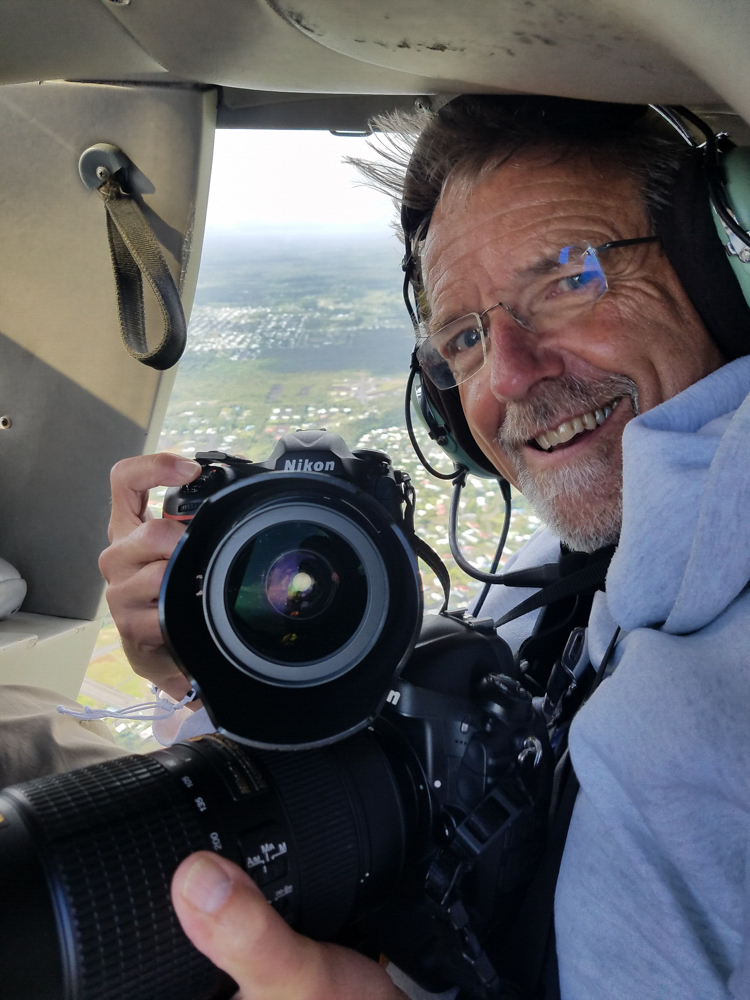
(135, 561)
(227, 917)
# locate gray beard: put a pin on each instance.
(580, 503)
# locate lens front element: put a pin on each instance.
(296, 593)
(301, 584)
(291, 602)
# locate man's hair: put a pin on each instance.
(471, 136)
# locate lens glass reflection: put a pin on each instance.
(296, 593)
(301, 584)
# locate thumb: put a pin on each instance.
(228, 918)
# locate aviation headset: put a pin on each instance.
(703, 229)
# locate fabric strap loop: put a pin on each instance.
(136, 254)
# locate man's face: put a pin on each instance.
(640, 344)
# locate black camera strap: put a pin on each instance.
(429, 556)
(527, 955)
(421, 548)
(503, 815)
(530, 954)
(588, 578)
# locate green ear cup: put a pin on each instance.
(736, 167)
(434, 425)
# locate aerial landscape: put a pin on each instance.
(295, 330)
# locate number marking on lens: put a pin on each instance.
(200, 802)
(215, 840)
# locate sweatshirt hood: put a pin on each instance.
(684, 552)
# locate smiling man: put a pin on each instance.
(574, 342)
(583, 334)
(578, 321)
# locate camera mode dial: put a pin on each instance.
(219, 470)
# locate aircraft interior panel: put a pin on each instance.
(75, 401)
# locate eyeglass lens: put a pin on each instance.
(548, 294)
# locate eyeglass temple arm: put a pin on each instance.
(614, 244)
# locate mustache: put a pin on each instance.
(558, 400)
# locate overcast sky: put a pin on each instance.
(290, 178)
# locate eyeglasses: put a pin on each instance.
(548, 294)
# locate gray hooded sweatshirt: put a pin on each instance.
(653, 897)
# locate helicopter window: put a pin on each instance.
(298, 322)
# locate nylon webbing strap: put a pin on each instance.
(136, 254)
(582, 579)
(499, 813)
(429, 556)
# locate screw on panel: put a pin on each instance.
(5, 423)
(100, 162)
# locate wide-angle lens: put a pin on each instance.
(292, 602)
(284, 596)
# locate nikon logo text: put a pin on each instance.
(306, 465)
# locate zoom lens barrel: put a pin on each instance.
(86, 859)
